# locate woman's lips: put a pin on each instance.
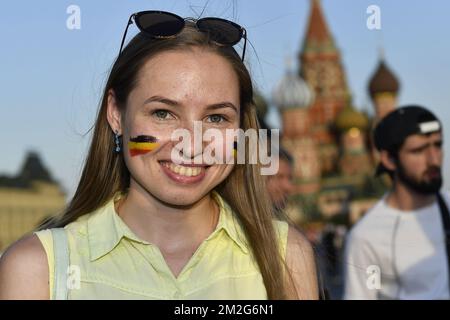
(184, 173)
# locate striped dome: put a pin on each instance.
(292, 92)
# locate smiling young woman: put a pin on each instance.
(143, 227)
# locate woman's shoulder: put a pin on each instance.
(24, 270)
(300, 259)
(296, 240)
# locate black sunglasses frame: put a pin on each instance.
(135, 17)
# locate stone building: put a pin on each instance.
(27, 199)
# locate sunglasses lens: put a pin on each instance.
(160, 24)
(221, 31)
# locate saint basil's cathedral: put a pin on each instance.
(327, 136)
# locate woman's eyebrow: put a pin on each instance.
(221, 105)
(174, 103)
(160, 99)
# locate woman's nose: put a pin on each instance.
(190, 145)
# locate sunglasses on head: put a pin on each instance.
(163, 25)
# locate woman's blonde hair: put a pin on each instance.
(105, 173)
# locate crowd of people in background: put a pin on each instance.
(400, 248)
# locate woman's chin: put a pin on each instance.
(180, 198)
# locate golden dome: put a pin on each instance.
(350, 118)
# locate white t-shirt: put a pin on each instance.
(393, 254)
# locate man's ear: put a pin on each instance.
(113, 113)
(387, 161)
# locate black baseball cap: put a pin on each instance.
(396, 126)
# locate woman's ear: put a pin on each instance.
(387, 161)
(113, 113)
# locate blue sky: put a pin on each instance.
(51, 77)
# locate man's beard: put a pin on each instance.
(423, 187)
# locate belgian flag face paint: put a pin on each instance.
(142, 144)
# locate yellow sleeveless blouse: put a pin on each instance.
(113, 263)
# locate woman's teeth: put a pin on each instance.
(183, 171)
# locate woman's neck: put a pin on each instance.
(171, 228)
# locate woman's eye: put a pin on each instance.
(216, 118)
(161, 114)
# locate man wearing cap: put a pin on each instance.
(400, 249)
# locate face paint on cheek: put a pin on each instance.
(142, 144)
